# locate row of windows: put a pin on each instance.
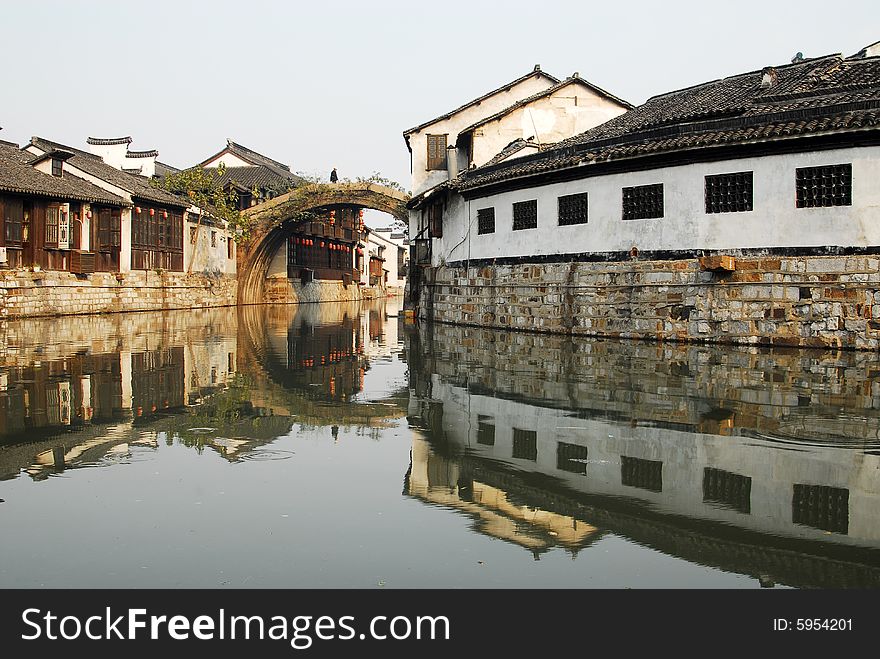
(818, 506)
(815, 187)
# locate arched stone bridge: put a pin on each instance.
(274, 220)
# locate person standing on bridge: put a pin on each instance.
(333, 176)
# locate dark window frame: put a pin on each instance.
(436, 152)
(732, 192)
(109, 229)
(640, 202)
(571, 458)
(485, 221)
(435, 219)
(824, 186)
(13, 220)
(573, 209)
(53, 219)
(525, 444)
(156, 240)
(57, 167)
(525, 215)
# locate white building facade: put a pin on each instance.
(686, 202)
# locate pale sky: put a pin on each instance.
(335, 83)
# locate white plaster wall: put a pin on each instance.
(229, 160)
(125, 240)
(774, 222)
(204, 257)
(376, 240)
(146, 165)
(422, 178)
(567, 112)
(112, 154)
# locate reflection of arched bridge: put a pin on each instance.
(275, 220)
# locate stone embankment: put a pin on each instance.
(51, 293)
(808, 301)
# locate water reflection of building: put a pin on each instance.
(634, 439)
(73, 389)
(439, 480)
(216, 380)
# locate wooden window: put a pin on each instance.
(435, 220)
(213, 239)
(53, 212)
(525, 215)
(230, 250)
(822, 507)
(643, 202)
(13, 219)
(729, 193)
(727, 489)
(485, 220)
(829, 185)
(573, 209)
(436, 151)
(571, 458)
(57, 167)
(157, 239)
(108, 230)
(525, 444)
(644, 474)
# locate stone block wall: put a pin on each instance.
(290, 291)
(32, 294)
(808, 301)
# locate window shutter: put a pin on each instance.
(436, 151)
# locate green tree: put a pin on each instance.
(202, 187)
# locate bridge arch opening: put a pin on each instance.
(317, 231)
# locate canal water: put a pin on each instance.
(338, 445)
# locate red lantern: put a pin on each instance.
(165, 214)
(137, 209)
(152, 212)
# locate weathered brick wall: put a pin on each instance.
(30, 294)
(812, 301)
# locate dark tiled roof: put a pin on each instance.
(137, 186)
(545, 93)
(163, 169)
(257, 177)
(514, 147)
(17, 175)
(257, 159)
(152, 153)
(535, 72)
(821, 95)
(108, 140)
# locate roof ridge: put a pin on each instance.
(59, 145)
(536, 71)
(109, 140)
(546, 92)
(803, 62)
(142, 154)
(235, 145)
